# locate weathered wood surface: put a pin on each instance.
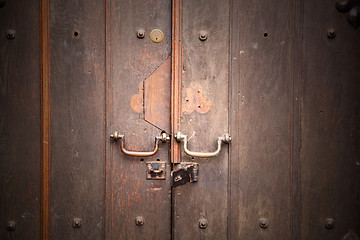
(77, 118)
(204, 118)
(330, 153)
(261, 108)
(20, 121)
(131, 61)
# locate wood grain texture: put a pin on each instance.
(77, 31)
(261, 118)
(330, 124)
(45, 118)
(205, 71)
(20, 121)
(132, 60)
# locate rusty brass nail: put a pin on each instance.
(140, 33)
(203, 35)
(203, 223)
(263, 223)
(10, 33)
(329, 223)
(331, 33)
(11, 226)
(76, 222)
(139, 221)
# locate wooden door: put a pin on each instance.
(281, 78)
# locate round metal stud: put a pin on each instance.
(10, 33)
(140, 33)
(203, 35)
(203, 223)
(139, 221)
(11, 226)
(329, 223)
(156, 35)
(331, 33)
(76, 223)
(263, 223)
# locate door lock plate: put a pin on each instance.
(185, 172)
(155, 170)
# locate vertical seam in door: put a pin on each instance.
(45, 119)
(228, 233)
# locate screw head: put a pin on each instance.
(140, 33)
(76, 222)
(329, 223)
(331, 33)
(139, 221)
(203, 35)
(10, 33)
(11, 226)
(203, 223)
(263, 223)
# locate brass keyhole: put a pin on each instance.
(156, 35)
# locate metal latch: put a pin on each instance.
(185, 172)
(155, 170)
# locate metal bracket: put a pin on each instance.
(185, 172)
(155, 170)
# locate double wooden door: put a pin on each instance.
(279, 77)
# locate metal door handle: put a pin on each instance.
(181, 137)
(116, 136)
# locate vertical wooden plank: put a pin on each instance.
(262, 101)
(176, 74)
(131, 63)
(330, 124)
(45, 119)
(204, 118)
(77, 30)
(20, 128)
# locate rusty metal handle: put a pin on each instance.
(181, 137)
(116, 136)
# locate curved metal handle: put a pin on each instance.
(116, 136)
(181, 137)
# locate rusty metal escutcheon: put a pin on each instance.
(116, 136)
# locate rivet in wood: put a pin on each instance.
(11, 226)
(203, 35)
(263, 223)
(331, 33)
(139, 221)
(140, 33)
(76, 222)
(203, 223)
(10, 33)
(329, 223)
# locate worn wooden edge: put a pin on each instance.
(108, 174)
(176, 66)
(45, 118)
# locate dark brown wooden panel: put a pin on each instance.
(134, 64)
(77, 118)
(261, 118)
(204, 119)
(330, 154)
(20, 121)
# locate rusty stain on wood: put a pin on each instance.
(176, 66)
(157, 97)
(45, 119)
(195, 100)
(137, 101)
